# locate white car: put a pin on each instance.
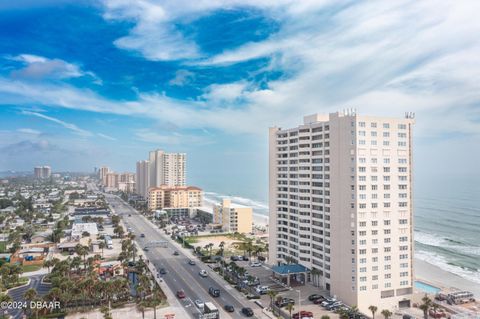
(262, 290)
(255, 264)
(200, 304)
(203, 273)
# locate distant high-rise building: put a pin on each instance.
(143, 178)
(111, 180)
(102, 174)
(167, 168)
(341, 205)
(42, 171)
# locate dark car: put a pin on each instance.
(245, 258)
(176, 253)
(284, 301)
(129, 215)
(191, 262)
(234, 258)
(181, 294)
(229, 308)
(142, 235)
(214, 292)
(162, 271)
(319, 301)
(315, 297)
(248, 312)
(302, 314)
(145, 249)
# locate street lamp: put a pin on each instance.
(299, 302)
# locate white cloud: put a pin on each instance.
(174, 138)
(38, 67)
(107, 137)
(29, 131)
(182, 77)
(72, 127)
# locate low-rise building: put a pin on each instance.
(174, 197)
(233, 217)
(79, 228)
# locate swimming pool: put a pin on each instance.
(420, 285)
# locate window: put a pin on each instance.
(361, 124)
(373, 125)
(402, 126)
(386, 125)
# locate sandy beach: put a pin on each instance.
(443, 279)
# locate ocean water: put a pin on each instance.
(446, 224)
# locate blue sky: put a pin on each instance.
(104, 82)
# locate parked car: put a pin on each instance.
(315, 297)
(145, 249)
(200, 304)
(255, 264)
(328, 301)
(262, 290)
(142, 235)
(162, 271)
(247, 311)
(302, 315)
(319, 301)
(244, 258)
(181, 294)
(334, 306)
(175, 253)
(214, 292)
(191, 262)
(284, 301)
(234, 258)
(203, 273)
(229, 308)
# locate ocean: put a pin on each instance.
(446, 224)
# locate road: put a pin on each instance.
(180, 275)
(17, 293)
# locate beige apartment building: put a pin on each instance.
(174, 197)
(233, 217)
(142, 178)
(341, 204)
(102, 174)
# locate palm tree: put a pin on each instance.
(29, 296)
(373, 309)
(101, 245)
(82, 251)
(325, 317)
(155, 301)
(290, 307)
(221, 246)
(272, 294)
(425, 306)
(48, 263)
(386, 313)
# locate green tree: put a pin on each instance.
(373, 309)
(425, 306)
(386, 313)
(290, 307)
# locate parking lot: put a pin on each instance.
(264, 274)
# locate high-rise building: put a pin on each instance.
(111, 180)
(102, 174)
(174, 197)
(341, 205)
(167, 168)
(143, 178)
(233, 217)
(42, 171)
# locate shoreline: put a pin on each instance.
(431, 274)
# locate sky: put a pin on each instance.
(90, 83)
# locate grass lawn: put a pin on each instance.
(29, 268)
(2, 246)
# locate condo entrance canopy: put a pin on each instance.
(289, 269)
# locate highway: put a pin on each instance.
(180, 275)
